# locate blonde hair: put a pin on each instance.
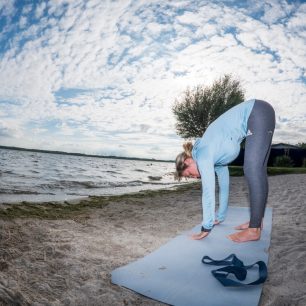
(180, 160)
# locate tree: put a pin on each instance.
(203, 104)
(283, 161)
(301, 145)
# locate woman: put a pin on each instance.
(220, 145)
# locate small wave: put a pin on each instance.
(169, 173)
(134, 183)
(8, 172)
(15, 191)
(90, 184)
(140, 170)
(69, 184)
(154, 178)
(111, 171)
(125, 184)
(157, 183)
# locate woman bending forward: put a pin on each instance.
(220, 145)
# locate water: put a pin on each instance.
(32, 176)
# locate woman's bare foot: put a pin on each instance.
(245, 226)
(242, 226)
(249, 234)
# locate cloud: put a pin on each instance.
(275, 11)
(10, 129)
(109, 72)
(7, 8)
(39, 11)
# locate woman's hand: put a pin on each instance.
(199, 236)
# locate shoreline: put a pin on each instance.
(143, 192)
(27, 209)
(64, 255)
(40, 199)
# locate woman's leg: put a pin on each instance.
(261, 125)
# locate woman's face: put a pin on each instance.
(192, 169)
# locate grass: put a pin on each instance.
(282, 170)
(50, 210)
(238, 170)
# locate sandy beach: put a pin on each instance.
(67, 258)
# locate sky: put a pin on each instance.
(101, 77)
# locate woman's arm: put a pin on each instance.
(223, 181)
(207, 171)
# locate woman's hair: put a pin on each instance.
(180, 160)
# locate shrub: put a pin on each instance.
(283, 161)
(304, 163)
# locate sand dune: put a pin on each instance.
(68, 262)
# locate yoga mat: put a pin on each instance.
(175, 275)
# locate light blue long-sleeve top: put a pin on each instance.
(219, 146)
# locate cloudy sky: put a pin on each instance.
(101, 77)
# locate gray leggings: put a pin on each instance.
(261, 125)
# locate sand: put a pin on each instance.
(69, 261)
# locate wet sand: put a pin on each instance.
(67, 258)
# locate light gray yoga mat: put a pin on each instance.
(175, 275)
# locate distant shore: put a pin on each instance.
(82, 154)
(63, 254)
